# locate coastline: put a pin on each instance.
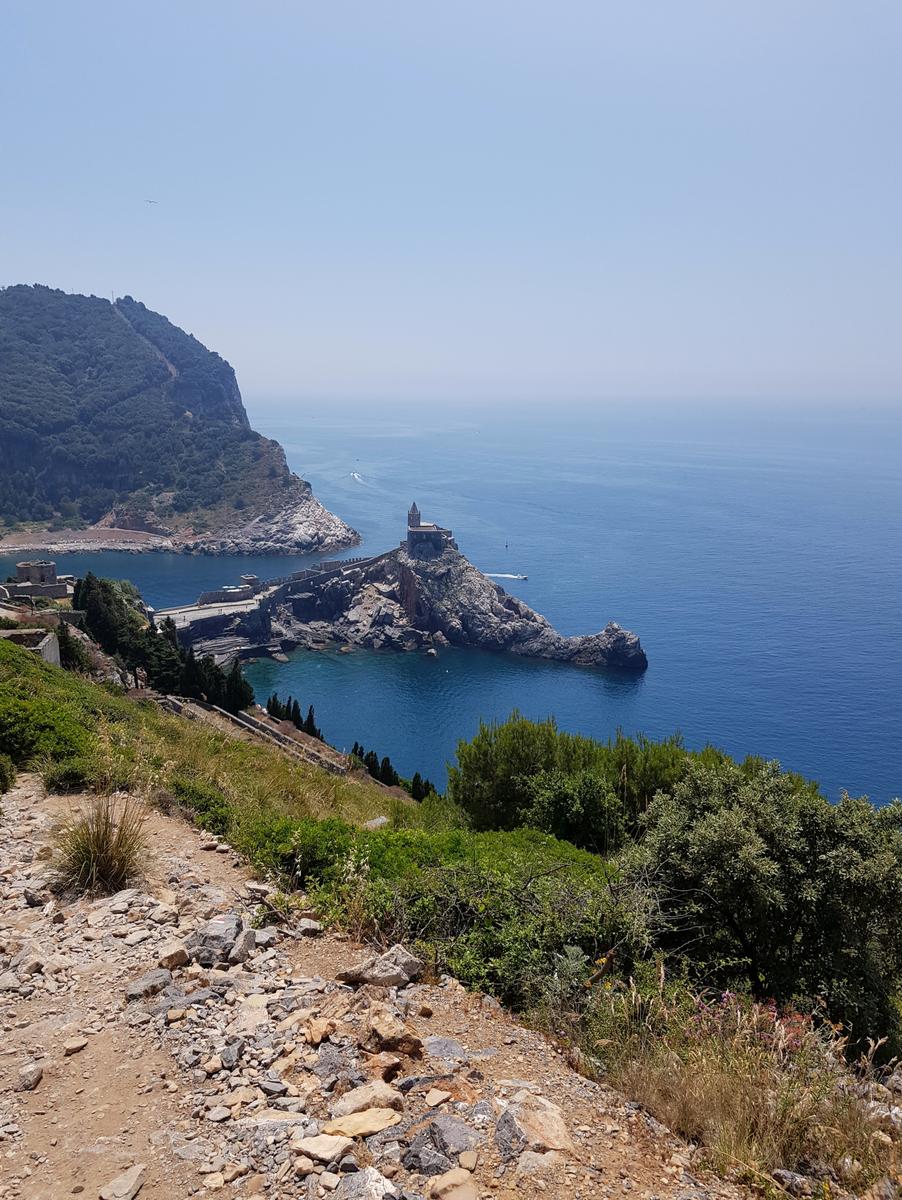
(135, 541)
(74, 541)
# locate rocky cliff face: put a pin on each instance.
(406, 603)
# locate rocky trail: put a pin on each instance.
(157, 1043)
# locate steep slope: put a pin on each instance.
(229, 1076)
(114, 417)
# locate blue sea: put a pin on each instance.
(756, 551)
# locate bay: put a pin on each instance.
(756, 551)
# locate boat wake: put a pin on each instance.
(355, 475)
(502, 575)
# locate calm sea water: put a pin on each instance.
(758, 556)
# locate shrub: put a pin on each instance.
(102, 849)
(39, 726)
(494, 777)
(770, 886)
(74, 655)
(7, 773)
(494, 909)
(205, 800)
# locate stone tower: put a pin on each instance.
(413, 517)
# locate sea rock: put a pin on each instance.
(408, 601)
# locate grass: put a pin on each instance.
(83, 735)
(102, 850)
(755, 1088)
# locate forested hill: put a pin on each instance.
(111, 411)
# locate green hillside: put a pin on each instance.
(84, 734)
(112, 407)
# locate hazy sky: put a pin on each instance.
(482, 197)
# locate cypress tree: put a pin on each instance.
(238, 692)
(191, 680)
(296, 715)
(387, 773)
(371, 762)
(416, 786)
(310, 724)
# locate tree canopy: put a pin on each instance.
(109, 406)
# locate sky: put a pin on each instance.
(490, 199)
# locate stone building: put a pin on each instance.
(39, 578)
(425, 538)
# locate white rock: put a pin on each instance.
(127, 1185)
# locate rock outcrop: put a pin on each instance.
(403, 602)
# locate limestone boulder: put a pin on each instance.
(532, 1123)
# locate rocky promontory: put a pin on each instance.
(403, 601)
(416, 603)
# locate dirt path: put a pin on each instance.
(231, 1078)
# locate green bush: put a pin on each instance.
(7, 773)
(494, 779)
(67, 774)
(206, 802)
(494, 909)
(30, 728)
(766, 885)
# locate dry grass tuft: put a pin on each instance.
(755, 1088)
(101, 850)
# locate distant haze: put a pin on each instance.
(489, 198)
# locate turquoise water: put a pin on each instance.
(758, 556)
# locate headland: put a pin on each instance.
(423, 596)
